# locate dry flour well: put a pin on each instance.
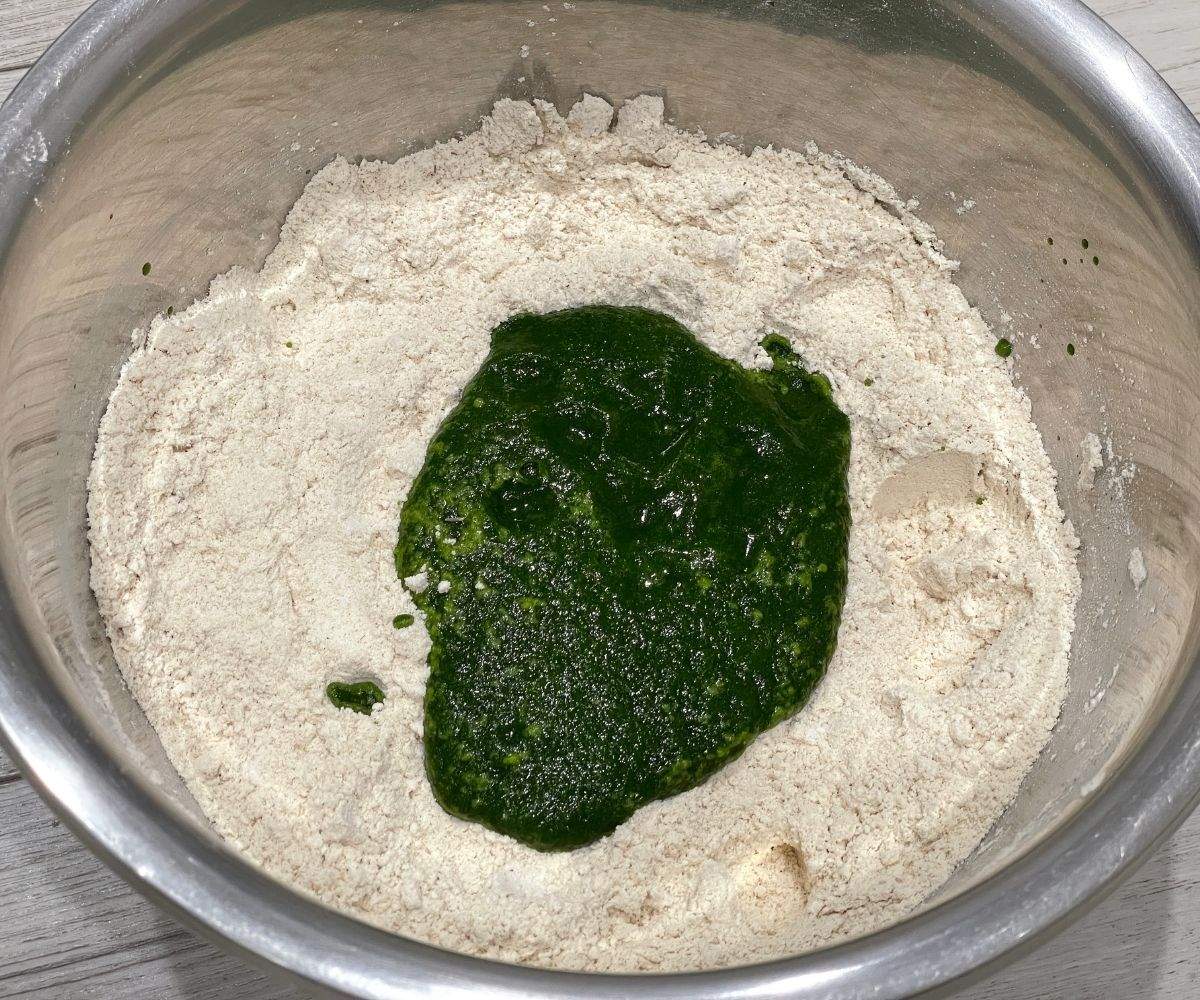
(244, 503)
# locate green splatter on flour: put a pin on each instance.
(361, 696)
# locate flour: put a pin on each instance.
(1093, 461)
(1137, 568)
(244, 502)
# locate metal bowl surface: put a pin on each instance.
(179, 132)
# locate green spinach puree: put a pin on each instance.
(645, 547)
(360, 697)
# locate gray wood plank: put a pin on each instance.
(28, 26)
(8, 770)
(70, 929)
(1167, 33)
(1139, 944)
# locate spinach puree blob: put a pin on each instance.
(635, 562)
(361, 696)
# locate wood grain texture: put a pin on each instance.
(1167, 33)
(28, 26)
(1142, 943)
(71, 929)
(8, 772)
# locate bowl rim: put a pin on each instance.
(165, 855)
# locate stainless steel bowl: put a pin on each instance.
(179, 131)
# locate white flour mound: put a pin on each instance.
(244, 503)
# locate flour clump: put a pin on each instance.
(243, 507)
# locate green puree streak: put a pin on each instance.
(646, 551)
(361, 696)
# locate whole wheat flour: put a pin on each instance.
(244, 503)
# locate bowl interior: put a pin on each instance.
(190, 155)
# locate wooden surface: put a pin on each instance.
(70, 929)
